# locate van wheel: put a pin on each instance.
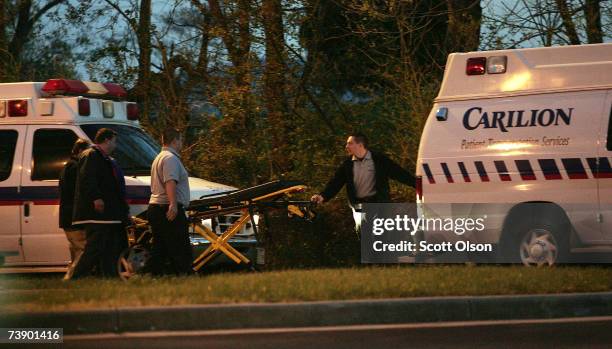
(132, 261)
(541, 245)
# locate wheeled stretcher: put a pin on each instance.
(246, 202)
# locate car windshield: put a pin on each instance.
(135, 149)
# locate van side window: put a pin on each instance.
(8, 141)
(609, 143)
(50, 151)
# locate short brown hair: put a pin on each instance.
(80, 145)
(360, 138)
(169, 135)
(103, 134)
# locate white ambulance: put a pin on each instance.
(39, 123)
(523, 137)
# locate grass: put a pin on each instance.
(19, 293)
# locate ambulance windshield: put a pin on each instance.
(135, 149)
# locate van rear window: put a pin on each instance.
(135, 151)
(8, 141)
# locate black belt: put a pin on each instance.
(367, 199)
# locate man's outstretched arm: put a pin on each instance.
(395, 171)
(333, 186)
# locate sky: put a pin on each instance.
(491, 8)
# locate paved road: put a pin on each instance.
(524, 334)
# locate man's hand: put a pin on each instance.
(172, 210)
(317, 199)
(99, 205)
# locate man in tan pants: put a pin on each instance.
(67, 184)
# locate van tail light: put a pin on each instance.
(84, 107)
(132, 111)
(64, 87)
(419, 187)
(18, 107)
(476, 66)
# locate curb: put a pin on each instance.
(324, 313)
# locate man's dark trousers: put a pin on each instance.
(104, 244)
(170, 241)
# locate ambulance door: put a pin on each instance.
(605, 170)
(12, 139)
(46, 152)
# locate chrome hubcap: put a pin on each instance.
(132, 263)
(538, 247)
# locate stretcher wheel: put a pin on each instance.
(132, 261)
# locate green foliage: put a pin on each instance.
(330, 240)
(47, 60)
(364, 43)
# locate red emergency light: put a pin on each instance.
(64, 87)
(18, 107)
(476, 66)
(132, 111)
(84, 107)
(115, 90)
(79, 88)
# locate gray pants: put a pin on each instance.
(76, 239)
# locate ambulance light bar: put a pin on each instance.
(64, 87)
(115, 90)
(95, 88)
(76, 87)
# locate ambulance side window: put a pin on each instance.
(50, 151)
(8, 141)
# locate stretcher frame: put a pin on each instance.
(248, 207)
(247, 202)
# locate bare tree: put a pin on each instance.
(17, 22)
(140, 26)
(143, 35)
(592, 13)
(544, 22)
(274, 81)
(568, 22)
(463, 25)
(236, 35)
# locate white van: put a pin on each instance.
(528, 132)
(39, 123)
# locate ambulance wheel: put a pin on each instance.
(133, 261)
(544, 243)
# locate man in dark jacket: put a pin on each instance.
(67, 184)
(365, 173)
(100, 206)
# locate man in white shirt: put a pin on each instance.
(169, 198)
